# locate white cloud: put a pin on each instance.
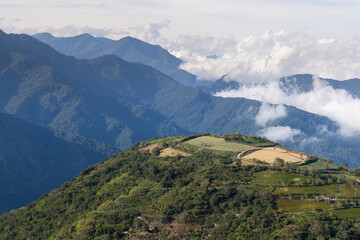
(272, 55)
(151, 32)
(337, 104)
(279, 133)
(268, 113)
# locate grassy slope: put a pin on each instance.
(351, 213)
(218, 144)
(280, 178)
(295, 205)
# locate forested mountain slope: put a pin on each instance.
(34, 161)
(127, 48)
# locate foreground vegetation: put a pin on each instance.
(138, 194)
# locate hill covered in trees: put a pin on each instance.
(147, 192)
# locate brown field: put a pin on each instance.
(150, 147)
(171, 152)
(269, 154)
(295, 154)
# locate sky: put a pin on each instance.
(255, 43)
(239, 18)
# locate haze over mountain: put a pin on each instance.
(128, 48)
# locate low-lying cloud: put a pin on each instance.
(337, 104)
(259, 58)
(268, 113)
(279, 133)
(270, 56)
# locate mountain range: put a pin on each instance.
(128, 48)
(108, 101)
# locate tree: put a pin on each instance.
(279, 162)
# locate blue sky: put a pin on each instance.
(240, 18)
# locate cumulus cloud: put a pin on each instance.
(337, 104)
(279, 133)
(151, 32)
(270, 56)
(268, 113)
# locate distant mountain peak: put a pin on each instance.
(128, 48)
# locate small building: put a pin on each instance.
(329, 197)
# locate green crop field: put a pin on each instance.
(191, 147)
(175, 139)
(298, 205)
(341, 175)
(333, 189)
(320, 165)
(350, 213)
(255, 142)
(317, 190)
(349, 191)
(220, 144)
(280, 178)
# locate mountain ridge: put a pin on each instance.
(127, 48)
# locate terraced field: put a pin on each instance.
(208, 142)
(317, 190)
(299, 205)
(270, 154)
(280, 178)
(350, 213)
(171, 152)
(321, 165)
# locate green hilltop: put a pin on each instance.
(189, 187)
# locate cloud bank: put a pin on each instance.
(337, 104)
(270, 56)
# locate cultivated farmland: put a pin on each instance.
(270, 154)
(350, 213)
(171, 152)
(299, 205)
(220, 144)
(280, 178)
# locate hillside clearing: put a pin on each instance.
(270, 154)
(280, 178)
(220, 144)
(171, 152)
(350, 213)
(150, 147)
(317, 190)
(298, 205)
